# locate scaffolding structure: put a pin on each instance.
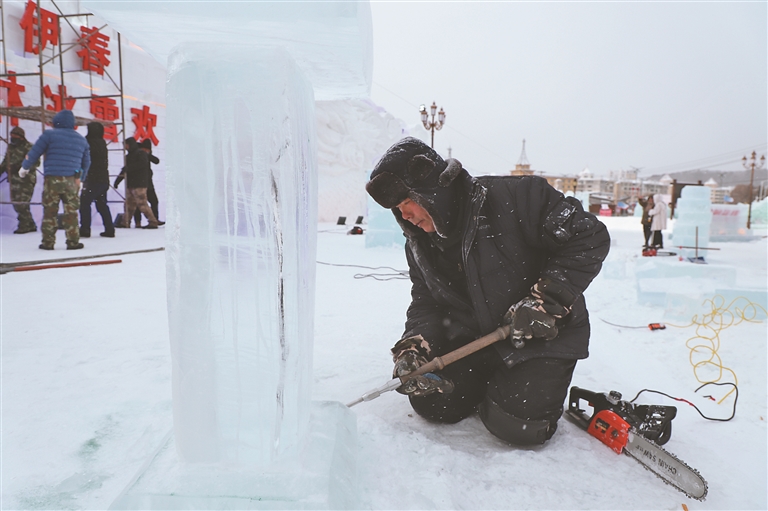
(47, 55)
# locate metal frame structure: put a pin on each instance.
(40, 113)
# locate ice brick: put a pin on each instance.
(383, 229)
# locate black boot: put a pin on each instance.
(107, 234)
(74, 246)
(43, 246)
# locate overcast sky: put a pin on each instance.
(657, 86)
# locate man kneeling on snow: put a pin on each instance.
(483, 252)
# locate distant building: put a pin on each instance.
(563, 183)
(587, 182)
(718, 194)
(523, 166)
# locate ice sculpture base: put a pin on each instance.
(325, 478)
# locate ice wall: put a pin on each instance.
(331, 42)
(352, 134)
(242, 230)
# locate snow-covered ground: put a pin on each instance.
(86, 395)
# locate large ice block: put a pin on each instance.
(332, 42)
(241, 252)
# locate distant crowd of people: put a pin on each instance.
(71, 159)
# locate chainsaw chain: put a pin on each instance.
(649, 469)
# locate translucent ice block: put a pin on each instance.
(332, 42)
(694, 217)
(241, 252)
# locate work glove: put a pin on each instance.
(23, 172)
(409, 354)
(535, 316)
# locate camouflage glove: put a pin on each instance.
(536, 315)
(409, 354)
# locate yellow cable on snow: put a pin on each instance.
(704, 345)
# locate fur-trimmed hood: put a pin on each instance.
(410, 169)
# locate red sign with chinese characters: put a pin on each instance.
(14, 99)
(94, 50)
(145, 123)
(60, 101)
(49, 24)
(106, 109)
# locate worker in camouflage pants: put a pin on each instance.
(67, 160)
(65, 189)
(21, 187)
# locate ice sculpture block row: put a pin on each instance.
(332, 42)
(241, 253)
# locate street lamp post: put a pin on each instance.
(752, 164)
(432, 125)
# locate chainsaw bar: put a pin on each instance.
(666, 466)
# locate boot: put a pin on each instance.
(24, 230)
(74, 246)
(107, 234)
(85, 233)
(150, 226)
(43, 246)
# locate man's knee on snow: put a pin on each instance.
(515, 430)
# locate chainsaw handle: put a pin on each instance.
(597, 401)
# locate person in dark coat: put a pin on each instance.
(645, 219)
(136, 175)
(146, 146)
(483, 252)
(97, 184)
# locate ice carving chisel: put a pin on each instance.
(437, 363)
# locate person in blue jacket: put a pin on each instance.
(66, 163)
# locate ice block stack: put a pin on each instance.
(694, 216)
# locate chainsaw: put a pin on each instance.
(638, 431)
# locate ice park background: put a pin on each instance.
(94, 412)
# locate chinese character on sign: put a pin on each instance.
(106, 109)
(60, 101)
(49, 24)
(94, 52)
(145, 123)
(14, 99)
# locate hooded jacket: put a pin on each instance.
(65, 151)
(508, 232)
(136, 168)
(99, 171)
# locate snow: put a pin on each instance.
(86, 386)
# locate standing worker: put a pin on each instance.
(67, 159)
(22, 188)
(97, 184)
(136, 174)
(483, 252)
(146, 146)
(645, 219)
(658, 214)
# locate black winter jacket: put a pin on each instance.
(99, 170)
(515, 231)
(136, 169)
